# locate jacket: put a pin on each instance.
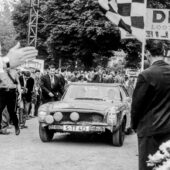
(46, 87)
(150, 112)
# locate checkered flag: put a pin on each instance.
(126, 14)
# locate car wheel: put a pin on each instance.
(46, 135)
(118, 136)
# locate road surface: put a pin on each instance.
(27, 152)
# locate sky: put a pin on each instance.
(10, 3)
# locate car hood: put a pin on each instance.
(83, 105)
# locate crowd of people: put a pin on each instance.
(35, 88)
(150, 100)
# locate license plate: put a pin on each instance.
(71, 128)
(55, 127)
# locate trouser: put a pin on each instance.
(22, 113)
(149, 145)
(8, 99)
(5, 119)
(38, 102)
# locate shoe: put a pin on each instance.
(23, 126)
(17, 130)
(4, 132)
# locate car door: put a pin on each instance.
(127, 101)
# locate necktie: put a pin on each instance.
(52, 81)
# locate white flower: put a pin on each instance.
(161, 159)
(164, 166)
(156, 158)
(165, 148)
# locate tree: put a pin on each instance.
(77, 30)
(20, 18)
(80, 31)
(7, 31)
(20, 21)
(70, 30)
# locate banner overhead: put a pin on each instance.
(157, 25)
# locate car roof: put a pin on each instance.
(96, 84)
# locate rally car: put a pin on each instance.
(87, 108)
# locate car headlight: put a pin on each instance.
(74, 116)
(49, 119)
(112, 116)
(58, 116)
(41, 115)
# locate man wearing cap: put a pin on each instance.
(150, 112)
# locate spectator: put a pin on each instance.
(51, 86)
(150, 113)
(29, 93)
(9, 83)
(98, 78)
(37, 91)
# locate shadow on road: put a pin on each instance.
(82, 139)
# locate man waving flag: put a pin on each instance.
(126, 14)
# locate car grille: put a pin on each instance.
(86, 117)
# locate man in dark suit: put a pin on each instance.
(98, 76)
(150, 112)
(51, 86)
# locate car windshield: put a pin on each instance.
(92, 92)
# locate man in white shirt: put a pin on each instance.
(15, 57)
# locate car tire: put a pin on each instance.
(119, 136)
(46, 135)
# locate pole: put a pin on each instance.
(144, 39)
(143, 54)
(1, 62)
(0, 50)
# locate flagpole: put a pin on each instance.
(144, 40)
(143, 54)
(0, 50)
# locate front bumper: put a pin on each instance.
(80, 127)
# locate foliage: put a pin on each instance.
(71, 30)
(158, 4)
(133, 50)
(7, 31)
(20, 21)
(77, 30)
(81, 31)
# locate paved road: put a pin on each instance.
(27, 152)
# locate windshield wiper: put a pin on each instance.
(89, 98)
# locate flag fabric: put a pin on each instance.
(129, 15)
